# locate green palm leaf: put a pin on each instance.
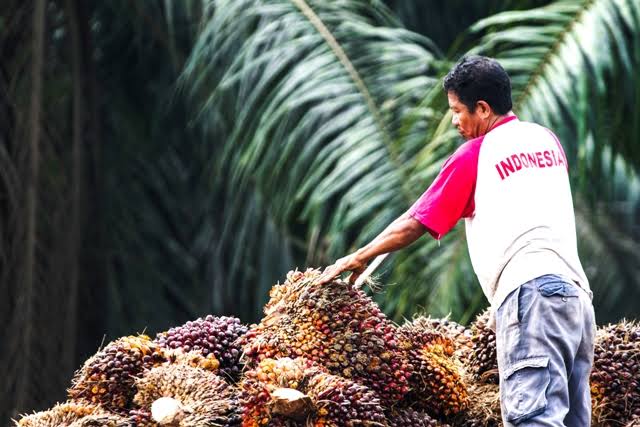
(318, 93)
(446, 22)
(573, 66)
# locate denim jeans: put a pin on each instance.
(545, 334)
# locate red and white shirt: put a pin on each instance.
(512, 188)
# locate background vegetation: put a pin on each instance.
(161, 160)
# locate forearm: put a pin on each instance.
(399, 234)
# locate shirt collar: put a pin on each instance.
(503, 121)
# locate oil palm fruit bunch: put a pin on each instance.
(459, 334)
(407, 417)
(482, 360)
(258, 385)
(108, 377)
(615, 378)
(63, 415)
(207, 398)
(436, 382)
(341, 402)
(211, 335)
(334, 325)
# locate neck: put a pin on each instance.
(495, 119)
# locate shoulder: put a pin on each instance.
(532, 128)
(467, 152)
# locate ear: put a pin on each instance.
(484, 110)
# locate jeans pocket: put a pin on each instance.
(524, 301)
(557, 288)
(524, 389)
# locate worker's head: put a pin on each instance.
(479, 91)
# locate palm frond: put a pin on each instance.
(318, 92)
(610, 258)
(446, 22)
(573, 67)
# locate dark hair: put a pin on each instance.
(478, 78)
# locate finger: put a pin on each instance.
(326, 277)
(331, 273)
(354, 276)
(323, 280)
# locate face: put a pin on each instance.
(469, 125)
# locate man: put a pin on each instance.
(510, 182)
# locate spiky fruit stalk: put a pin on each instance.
(334, 325)
(211, 335)
(108, 377)
(484, 406)
(63, 415)
(210, 400)
(103, 420)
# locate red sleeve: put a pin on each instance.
(451, 195)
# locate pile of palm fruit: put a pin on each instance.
(335, 326)
(322, 356)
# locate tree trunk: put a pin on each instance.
(31, 205)
(77, 180)
(93, 265)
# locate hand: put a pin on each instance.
(348, 263)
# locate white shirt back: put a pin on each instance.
(523, 225)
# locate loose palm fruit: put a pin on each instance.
(108, 377)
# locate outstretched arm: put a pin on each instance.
(399, 234)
